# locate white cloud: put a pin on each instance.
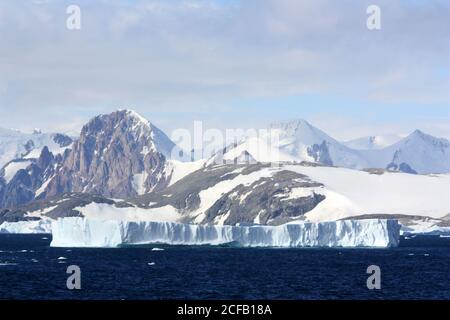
(182, 56)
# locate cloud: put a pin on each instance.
(186, 56)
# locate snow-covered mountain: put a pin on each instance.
(18, 145)
(22, 179)
(373, 142)
(298, 141)
(420, 152)
(28, 162)
(293, 141)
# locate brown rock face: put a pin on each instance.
(117, 155)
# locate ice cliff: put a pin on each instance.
(82, 232)
(26, 227)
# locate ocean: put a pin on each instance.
(31, 269)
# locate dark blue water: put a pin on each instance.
(30, 269)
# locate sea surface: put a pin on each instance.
(31, 269)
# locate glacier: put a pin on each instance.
(83, 232)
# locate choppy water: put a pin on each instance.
(30, 269)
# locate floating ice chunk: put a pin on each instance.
(82, 232)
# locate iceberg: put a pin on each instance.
(25, 227)
(83, 232)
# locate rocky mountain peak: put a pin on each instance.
(120, 154)
(300, 132)
(418, 136)
(292, 125)
(45, 158)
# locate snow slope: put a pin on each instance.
(177, 170)
(12, 167)
(80, 232)
(351, 193)
(15, 145)
(373, 142)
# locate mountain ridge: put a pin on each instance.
(123, 155)
(300, 141)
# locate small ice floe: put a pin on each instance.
(444, 236)
(23, 251)
(68, 250)
(34, 260)
(62, 258)
(151, 263)
(62, 261)
(44, 238)
(426, 254)
(8, 264)
(410, 254)
(157, 249)
(407, 238)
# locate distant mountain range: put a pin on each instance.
(121, 155)
(300, 141)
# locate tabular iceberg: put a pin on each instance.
(82, 232)
(26, 227)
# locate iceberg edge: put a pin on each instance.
(83, 232)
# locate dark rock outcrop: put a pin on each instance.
(25, 182)
(320, 153)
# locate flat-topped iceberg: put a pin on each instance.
(82, 232)
(26, 227)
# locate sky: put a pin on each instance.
(230, 64)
